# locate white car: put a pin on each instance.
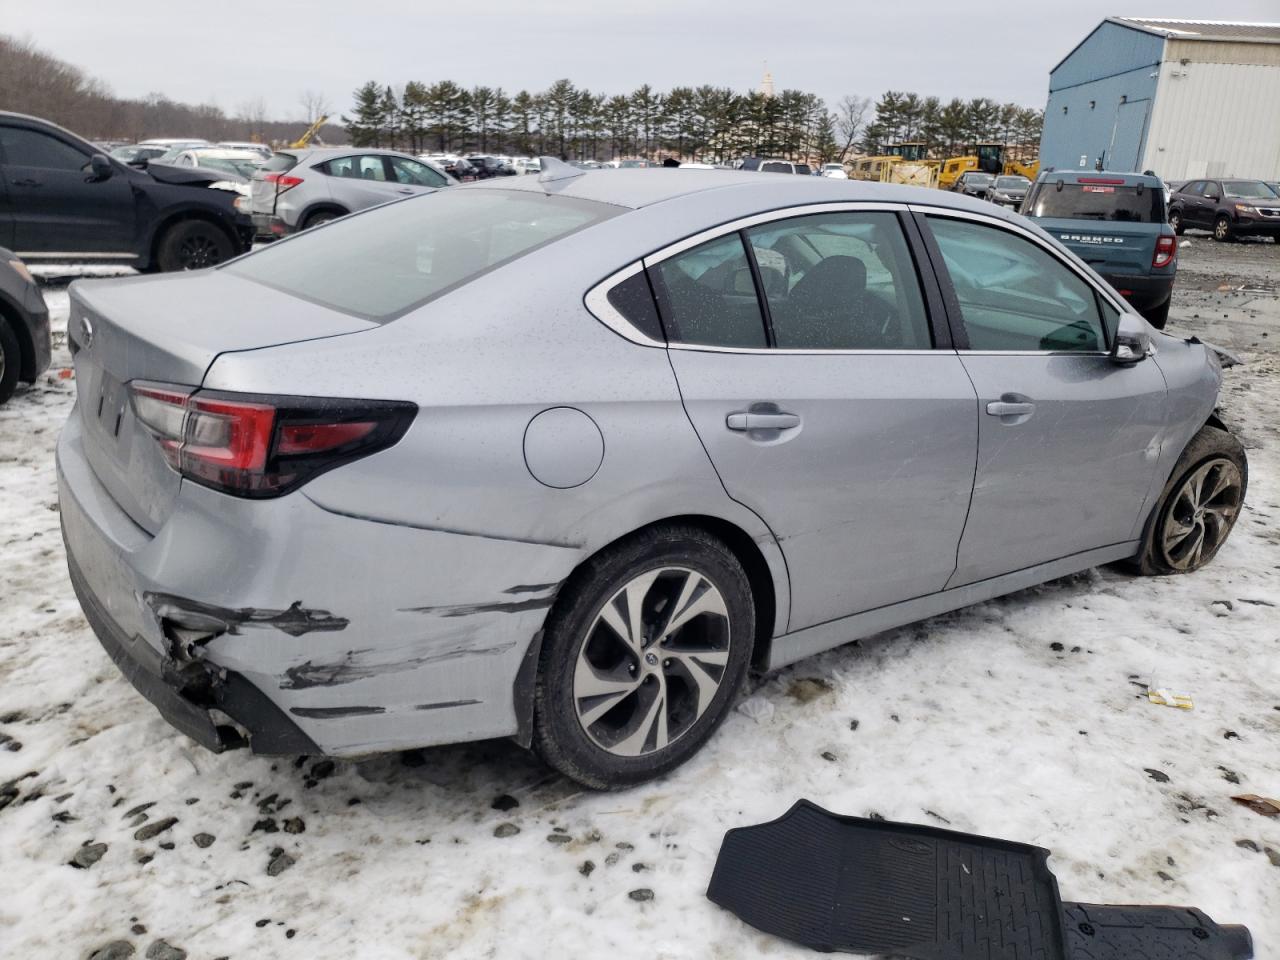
(243, 163)
(529, 165)
(835, 171)
(259, 148)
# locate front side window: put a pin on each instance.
(840, 281)
(1015, 295)
(709, 297)
(20, 147)
(389, 260)
(404, 170)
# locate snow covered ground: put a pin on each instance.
(1022, 718)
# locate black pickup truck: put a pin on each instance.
(63, 199)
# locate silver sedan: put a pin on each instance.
(561, 458)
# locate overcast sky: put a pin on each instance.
(233, 51)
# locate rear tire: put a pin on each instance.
(1222, 231)
(193, 245)
(1158, 316)
(10, 360)
(1175, 221)
(319, 217)
(613, 710)
(1198, 507)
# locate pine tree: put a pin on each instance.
(365, 123)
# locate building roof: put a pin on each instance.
(1233, 30)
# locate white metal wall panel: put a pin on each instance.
(1215, 119)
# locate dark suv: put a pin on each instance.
(61, 198)
(1230, 208)
(1115, 222)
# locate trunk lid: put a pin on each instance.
(167, 329)
(263, 187)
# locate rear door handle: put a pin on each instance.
(1005, 408)
(27, 182)
(746, 420)
(405, 190)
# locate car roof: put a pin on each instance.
(738, 192)
(224, 153)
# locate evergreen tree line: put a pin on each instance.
(707, 123)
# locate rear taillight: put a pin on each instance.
(283, 181)
(1166, 250)
(258, 446)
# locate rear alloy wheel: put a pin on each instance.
(1222, 229)
(642, 657)
(193, 245)
(1198, 507)
(1175, 221)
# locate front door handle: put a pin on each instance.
(405, 190)
(1005, 408)
(27, 182)
(747, 420)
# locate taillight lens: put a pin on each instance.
(1166, 250)
(258, 446)
(283, 181)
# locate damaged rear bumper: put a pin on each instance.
(188, 694)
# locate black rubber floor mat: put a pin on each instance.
(870, 886)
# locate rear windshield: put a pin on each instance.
(1097, 201)
(279, 163)
(383, 263)
(1012, 183)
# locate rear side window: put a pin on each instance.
(709, 297)
(389, 260)
(1013, 294)
(20, 147)
(357, 168)
(1055, 199)
(279, 163)
(840, 281)
(634, 300)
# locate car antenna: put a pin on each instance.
(553, 169)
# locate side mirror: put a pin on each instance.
(99, 168)
(1132, 342)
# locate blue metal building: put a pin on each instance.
(1185, 98)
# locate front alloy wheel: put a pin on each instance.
(1222, 229)
(652, 661)
(1201, 515)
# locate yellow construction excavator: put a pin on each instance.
(305, 140)
(993, 158)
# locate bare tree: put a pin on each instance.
(850, 121)
(314, 105)
(253, 114)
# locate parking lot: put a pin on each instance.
(1024, 718)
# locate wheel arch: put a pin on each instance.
(320, 206)
(172, 219)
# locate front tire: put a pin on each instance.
(1222, 229)
(642, 656)
(10, 360)
(193, 245)
(1198, 507)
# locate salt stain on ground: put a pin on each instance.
(1024, 718)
